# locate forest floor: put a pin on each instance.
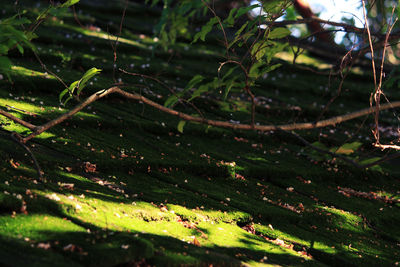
(124, 187)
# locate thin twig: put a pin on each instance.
(376, 96)
(226, 43)
(114, 47)
(18, 139)
(371, 47)
(17, 120)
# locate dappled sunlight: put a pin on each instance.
(304, 59)
(344, 220)
(127, 183)
(22, 71)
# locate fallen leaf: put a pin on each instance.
(44, 246)
(89, 167)
(15, 165)
(196, 242)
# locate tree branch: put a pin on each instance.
(37, 130)
(133, 96)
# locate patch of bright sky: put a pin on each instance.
(335, 10)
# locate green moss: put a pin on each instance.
(181, 199)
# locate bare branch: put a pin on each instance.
(17, 120)
(133, 96)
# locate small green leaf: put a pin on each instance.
(278, 33)
(195, 80)
(181, 124)
(205, 29)
(172, 100)
(377, 168)
(69, 3)
(86, 78)
(202, 89)
(76, 87)
(229, 85)
(254, 71)
(237, 35)
(348, 148)
(269, 68)
(20, 48)
(230, 20)
(259, 49)
(62, 94)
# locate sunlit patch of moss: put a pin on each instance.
(231, 236)
(36, 226)
(303, 59)
(19, 70)
(20, 105)
(345, 220)
(102, 35)
(198, 215)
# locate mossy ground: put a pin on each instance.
(204, 196)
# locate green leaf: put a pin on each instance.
(229, 72)
(181, 124)
(205, 29)
(259, 49)
(15, 20)
(270, 68)
(69, 3)
(230, 20)
(278, 33)
(195, 80)
(202, 89)
(254, 70)
(348, 148)
(172, 100)
(44, 13)
(377, 168)
(62, 94)
(86, 78)
(229, 85)
(237, 35)
(76, 87)
(20, 48)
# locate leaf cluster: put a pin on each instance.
(15, 34)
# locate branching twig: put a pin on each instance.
(376, 96)
(226, 43)
(114, 47)
(18, 139)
